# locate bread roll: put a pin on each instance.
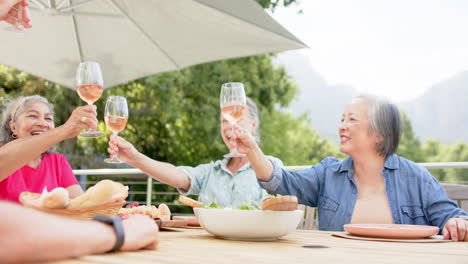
(58, 198)
(105, 191)
(164, 212)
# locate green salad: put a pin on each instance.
(248, 206)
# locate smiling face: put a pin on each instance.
(34, 120)
(245, 123)
(355, 136)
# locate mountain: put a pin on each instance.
(440, 113)
(324, 102)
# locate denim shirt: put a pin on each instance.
(214, 182)
(414, 195)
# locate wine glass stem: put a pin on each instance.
(234, 149)
(90, 129)
(115, 157)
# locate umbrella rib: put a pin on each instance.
(251, 23)
(78, 43)
(145, 33)
(39, 4)
(71, 6)
(59, 5)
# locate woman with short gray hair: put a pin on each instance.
(27, 133)
(373, 185)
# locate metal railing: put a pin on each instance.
(139, 178)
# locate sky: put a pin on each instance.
(392, 48)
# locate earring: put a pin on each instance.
(13, 135)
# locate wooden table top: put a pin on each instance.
(198, 246)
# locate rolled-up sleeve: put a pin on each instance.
(438, 206)
(197, 177)
(276, 177)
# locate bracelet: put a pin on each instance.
(116, 223)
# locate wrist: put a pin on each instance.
(117, 226)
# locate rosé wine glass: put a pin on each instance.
(17, 25)
(89, 85)
(233, 106)
(116, 117)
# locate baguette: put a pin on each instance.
(105, 191)
(189, 201)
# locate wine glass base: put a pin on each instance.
(92, 134)
(113, 160)
(14, 29)
(234, 155)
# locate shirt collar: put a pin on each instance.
(391, 162)
(222, 165)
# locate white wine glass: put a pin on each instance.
(233, 105)
(89, 85)
(116, 118)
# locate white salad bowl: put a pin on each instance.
(248, 224)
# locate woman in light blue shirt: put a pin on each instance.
(373, 185)
(230, 182)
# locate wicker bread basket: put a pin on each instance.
(110, 209)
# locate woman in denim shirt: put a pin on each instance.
(373, 185)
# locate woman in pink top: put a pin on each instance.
(27, 134)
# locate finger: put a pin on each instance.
(453, 231)
(152, 245)
(10, 20)
(111, 150)
(25, 14)
(445, 233)
(461, 228)
(13, 12)
(90, 108)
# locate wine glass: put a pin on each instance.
(233, 106)
(116, 117)
(89, 85)
(17, 26)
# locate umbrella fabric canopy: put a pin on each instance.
(136, 38)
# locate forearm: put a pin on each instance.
(29, 235)
(261, 164)
(19, 152)
(162, 171)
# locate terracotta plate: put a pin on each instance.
(191, 220)
(391, 231)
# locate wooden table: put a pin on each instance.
(197, 246)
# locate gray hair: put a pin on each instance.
(13, 109)
(253, 115)
(385, 120)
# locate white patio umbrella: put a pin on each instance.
(136, 38)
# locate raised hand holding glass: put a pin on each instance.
(116, 117)
(89, 85)
(233, 107)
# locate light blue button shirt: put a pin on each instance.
(213, 182)
(414, 195)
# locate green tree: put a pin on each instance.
(295, 143)
(410, 146)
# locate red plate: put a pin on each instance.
(191, 220)
(391, 231)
